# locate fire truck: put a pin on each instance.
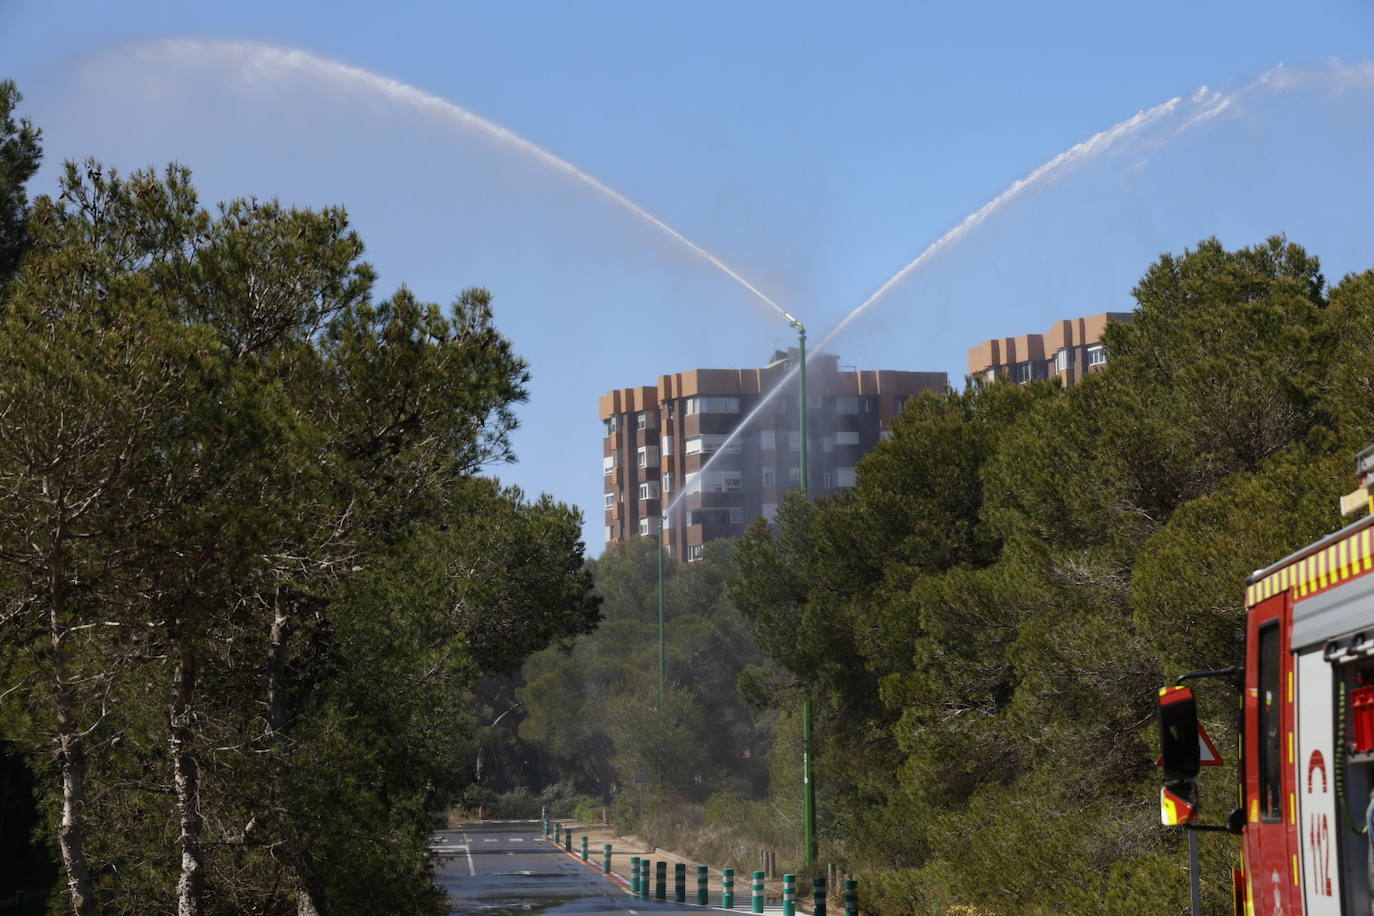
(1306, 747)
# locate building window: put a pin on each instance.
(609, 464)
(736, 515)
(1097, 355)
(610, 532)
(1062, 360)
(768, 477)
(844, 477)
(647, 455)
(766, 442)
(794, 441)
(712, 405)
(813, 401)
(849, 437)
(847, 405)
(648, 490)
(827, 444)
(642, 420)
(643, 526)
(705, 445)
(667, 481)
(610, 500)
(868, 405)
(899, 402)
(794, 475)
(770, 511)
(990, 376)
(828, 481)
(610, 426)
(666, 442)
(732, 481)
(884, 435)
(693, 552)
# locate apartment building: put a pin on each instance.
(1068, 351)
(659, 439)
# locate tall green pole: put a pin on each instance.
(662, 520)
(808, 780)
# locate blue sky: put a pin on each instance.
(816, 149)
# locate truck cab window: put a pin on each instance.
(1270, 724)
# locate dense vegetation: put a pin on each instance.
(250, 577)
(983, 620)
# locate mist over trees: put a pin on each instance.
(250, 577)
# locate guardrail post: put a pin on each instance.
(567, 839)
(584, 847)
(556, 833)
(680, 882)
(851, 898)
(660, 880)
(789, 895)
(606, 862)
(727, 888)
(703, 893)
(634, 876)
(757, 890)
(818, 895)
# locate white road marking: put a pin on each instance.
(489, 840)
(472, 869)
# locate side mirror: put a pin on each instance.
(1179, 749)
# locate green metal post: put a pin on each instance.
(789, 895)
(606, 858)
(808, 778)
(584, 848)
(661, 520)
(818, 896)
(727, 888)
(703, 892)
(801, 406)
(567, 839)
(557, 833)
(660, 880)
(756, 891)
(634, 876)
(851, 898)
(680, 883)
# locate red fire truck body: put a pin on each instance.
(1307, 746)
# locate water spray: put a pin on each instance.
(256, 60)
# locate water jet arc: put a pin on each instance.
(255, 60)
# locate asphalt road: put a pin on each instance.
(499, 868)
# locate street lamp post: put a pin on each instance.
(808, 780)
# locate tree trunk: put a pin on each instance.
(71, 754)
(279, 726)
(186, 776)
